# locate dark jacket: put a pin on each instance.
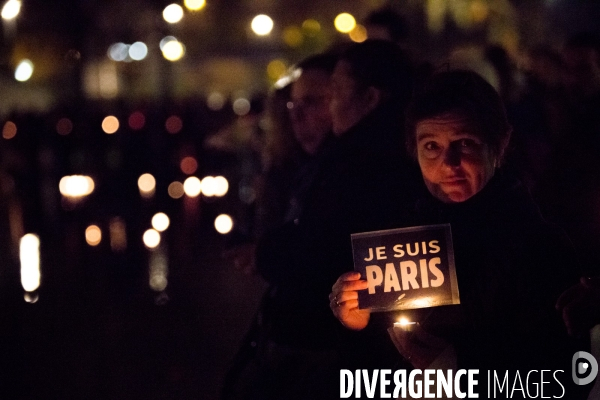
(360, 184)
(511, 267)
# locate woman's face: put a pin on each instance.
(348, 106)
(454, 161)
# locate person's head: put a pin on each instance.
(581, 57)
(458, 132)
(309, 101)
(386, 24)
(367, 75)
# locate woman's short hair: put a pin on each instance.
(383, 65)
(463, 94)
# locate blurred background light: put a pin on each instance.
(158, 271)
(276, 68)
(93, 235)
(175, 190)
(11, 9)
(221, 186)
(194, 5)
(262, 25)
(137, 120)
(208, 186)
(151, 238)
(344, 22)
(160, 222)
(24, 70)
(311, 27)
(29, 254)
(118, 234)
(215, 101)
(64, 126)
(110, 124)
(292, 36)
(174, 124)
(118, 51)
(9, 130)
(172, 49)
(223, 224)
(358, 34)
(241, 106)
(138, 51)
(192, 186)
(75, 186)
(173, 13)
(188, 165)
(147, 185)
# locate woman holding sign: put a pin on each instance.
(511, 264)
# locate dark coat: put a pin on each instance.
(360, 184)
(511, 268)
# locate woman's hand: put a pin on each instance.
(343, 301)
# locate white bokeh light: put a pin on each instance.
(24, 71)
(151, 238)
(118, 51)
(160, 222)
(221, 186)
(29, 254)
(173, 13)
(11, 9)
(192, 186)
(172, 49)
(223, 224)
(262, 25)
(138, 51)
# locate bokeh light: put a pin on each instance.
(311, 27)
(110, 124)
(223, 224)
(208, 186)
(118, 51)
(160, 221)
(29, 254)
(358, 34)
(147, 185)
(151, 238)
(172, 50)
(93, 235)
(158, 271)
(9, 130)
(173, 124)
(11, 9)
(173, 13)
(194, 5)
(241, 106)
(215, 101)
(138, 51)
(118, 234)
(75, 186)
(24, 70)
(175, 190)
(64, 126)
(292, 36)
(192, 186)
(221, 186)
(188, 165)
(137, 120)
(262, 25)
(344, 22)
(276, 68)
